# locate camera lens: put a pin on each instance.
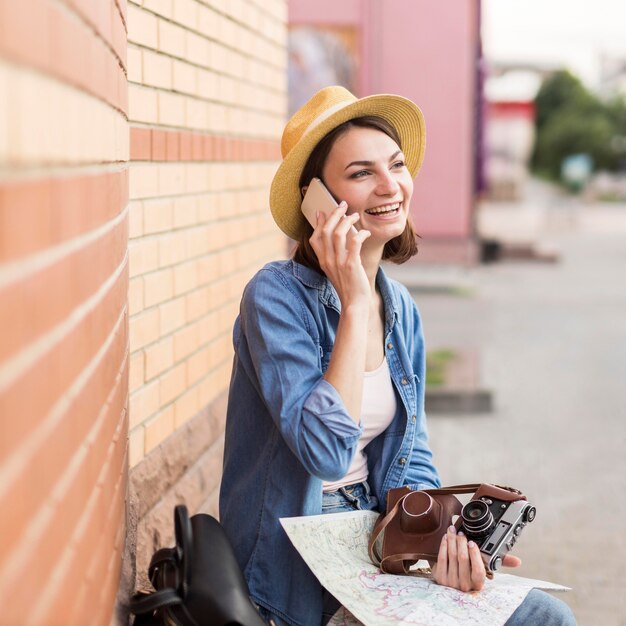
(477, 518)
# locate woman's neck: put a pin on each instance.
(371, 258)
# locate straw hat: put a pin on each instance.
(326, 110)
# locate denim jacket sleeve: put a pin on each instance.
(284, 365)
(421, 472)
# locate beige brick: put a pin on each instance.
(134, 64)
(143, 181)
(159, 357)
(207, 84)
(143, 403)
(185, 211)
(185, 277)
(162, 7)
(171, 109)
(158, 287)
(172, 248)
(143, 256)
(142, 27)
(136, 443)
(186, 407)
(208, 21)
(142, 104)
(186, 341)
(172, 39)
(171, 179)
(197, 303)
(158, 216)
(157, 69)
(199, 177)
(172, 383)
(184, 77)
(186, 13)
(208, 327)
(209, 388)
(158, 428)
(198, 365)
(135, 295)
(136, 375)
(207, 269)
(198, 50)
(196, 114)
(135, 219)
(144, 329)
(172, 316)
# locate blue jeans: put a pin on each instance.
(538, 608)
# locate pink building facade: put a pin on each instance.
(428, 51)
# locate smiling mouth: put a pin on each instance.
(386, 209)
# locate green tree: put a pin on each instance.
(571, 120)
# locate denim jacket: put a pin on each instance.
(287, 429)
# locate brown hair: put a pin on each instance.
(397, 250)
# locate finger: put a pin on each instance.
(453, 564)
(465, 574)
(333, 218)
(511, 561)
(477, 566)
(440, 569)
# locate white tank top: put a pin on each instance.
(377, 411)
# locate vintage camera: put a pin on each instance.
(494, 521)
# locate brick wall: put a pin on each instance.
(207, 104)
(63, 309)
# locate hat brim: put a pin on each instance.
(404, 115)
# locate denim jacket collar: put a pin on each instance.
(328, 295)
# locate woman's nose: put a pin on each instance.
(387, 184)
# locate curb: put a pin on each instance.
(466, 401)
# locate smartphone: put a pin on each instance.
(318, 198)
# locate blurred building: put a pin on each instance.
(510, 91)
(427, 51)
(509, 131)
(612, 80)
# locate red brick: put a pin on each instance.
(140, 144)
(172, 148)
(185, 146)
(158, 145)
(39, 302)
(196, 147)
(51, 459)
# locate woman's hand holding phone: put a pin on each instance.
(337, 245)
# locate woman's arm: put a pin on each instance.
(277, 351)
(338, 249)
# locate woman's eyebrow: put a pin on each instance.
(370, 163)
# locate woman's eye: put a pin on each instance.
(359, 174)
(398, 164)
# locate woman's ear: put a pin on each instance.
(303, 190)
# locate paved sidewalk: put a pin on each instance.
(552, 347)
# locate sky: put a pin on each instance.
(571, 32)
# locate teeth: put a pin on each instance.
(383, 209)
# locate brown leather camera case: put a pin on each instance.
(416, 521)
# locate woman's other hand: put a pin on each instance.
(459, 564)
(338, 249)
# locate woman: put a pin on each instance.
(304, 435)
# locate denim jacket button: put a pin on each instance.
(413, 418)
(390, 346)
(404, 381)
(402, 460)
